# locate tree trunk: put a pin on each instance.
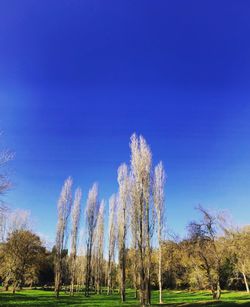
(109, 276)
(217, 291)
(6, 286)
(135, 285)
(73, 275)
(136, 293)
(142, 277)
(14, 288)
(123, 276)
(148, 288)
(57, 283)
(245, 281)
(58, 270)
(123, 259)
(160, 261)
(57, 292)
(98, 276)
(71, 291)
(135, 274)
(141, 255)
(88, 272)
(160, 273)
(142, 285)
(148, 255)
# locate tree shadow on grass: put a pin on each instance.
(19, 299)
(176, 299)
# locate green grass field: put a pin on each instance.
(171, 298)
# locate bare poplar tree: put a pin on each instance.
(63, 208)
(13, 220)
(98, 246)
(141, 172)
(5, 184)
(91, 213)
(75, 221)
(4, 213)
(133, 226)
(5, 156)
(158, 191)
(111, 240)
(122, 211)
(18, 220)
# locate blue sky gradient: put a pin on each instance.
(77, 78)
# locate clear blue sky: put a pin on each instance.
(77, 78)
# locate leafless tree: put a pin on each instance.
(91, 213)
(75, 220)
(134, 248)
(5, 157)
(64, 209)
(122, 212)
(158, 191)
(141, 183)
(111, 240)
(4, 213)
(18, 220)
(13, 220)
(5, 184)
(203, 235)
(98, 247)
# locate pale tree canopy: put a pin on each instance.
(75, 219)
(64, 209)
(158, 193)
(5, 184)
(123, 202)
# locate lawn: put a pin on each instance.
(171, 298)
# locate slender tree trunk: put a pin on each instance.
(6, 287)
(98, 281)
(71, 290)
(160, 272)
(135, 281)
(57, 279)
(123, 262)
(148, 255)
(142, 277)
(218, 290)
(135, 272)
(87, 281)
(73, 275)
(72, 287)
(141, 255)
(14, 288)
(142, 283)
(123, 276)
(98, 276)
(109, 276)
(88, 273)
(245, 281)
(146, 286)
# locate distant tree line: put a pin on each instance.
(139, 253)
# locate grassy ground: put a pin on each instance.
(171, 298)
